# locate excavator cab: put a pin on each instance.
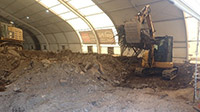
(3, 30)
(163, 52)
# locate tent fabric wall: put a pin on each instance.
(29, 43)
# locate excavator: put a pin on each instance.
(10, 37)
(157, 52)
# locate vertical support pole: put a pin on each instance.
(196, 89)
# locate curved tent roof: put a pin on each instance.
(53, 32)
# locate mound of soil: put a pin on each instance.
(35, 81)
(118, 71)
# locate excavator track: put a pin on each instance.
(5, 45)
(167, 74)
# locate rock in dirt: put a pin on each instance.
(63, 82)
(88, 66)
(17, 89)
(82, 73)
(163, 96)
(46, 62)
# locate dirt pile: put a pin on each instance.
(109, 68)
(48, 82)
(9, 61)
(104, 67)
(118, 71)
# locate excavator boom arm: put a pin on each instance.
(143, 15)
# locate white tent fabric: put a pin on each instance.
(88, 9)
(189, 6)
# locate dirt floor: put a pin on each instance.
(35, 81)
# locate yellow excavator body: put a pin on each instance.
(145, 62)
(10, 36)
